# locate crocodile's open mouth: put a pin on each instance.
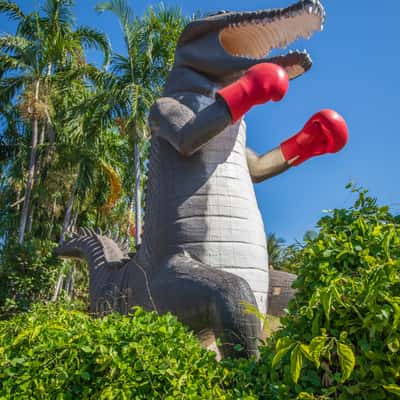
(253, 35)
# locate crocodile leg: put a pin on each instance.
(205, 298)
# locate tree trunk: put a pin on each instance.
(74, 220)
(19, 200)
(31, 171)
(69, 283)
(53, 212)
(138, 209)
(67, 218)
(41, 142)
(29, 221)
(51, 146)
(36, 178)
(58, 287)
(131, 209)
(68, 211)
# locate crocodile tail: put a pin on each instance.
(95, 248)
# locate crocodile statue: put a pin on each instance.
(204, 252)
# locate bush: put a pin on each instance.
(27, 275)
(339, 340)
(55, 353)
(341, 337)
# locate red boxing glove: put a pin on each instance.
(325, 132)
(261, 83)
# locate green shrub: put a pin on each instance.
(27, 275)
(341, 338)
(54, 353)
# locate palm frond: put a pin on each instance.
(12, 10)
(122, 11)
(59, 12)
(118, 7)
(121, 65)
(92, 38)
(10, 64)
(10, 87)
(14, 44)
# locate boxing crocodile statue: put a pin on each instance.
(204, 248)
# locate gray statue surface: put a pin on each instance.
(204, 245)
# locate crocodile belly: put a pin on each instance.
(216, 217)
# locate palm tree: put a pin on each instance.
(98, 152)
(275, 249)
(137, 77)
(13, 150)
(45, 45)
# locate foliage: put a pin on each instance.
(291, 258)
(60, 142)
(285, 257)
(27, 275)
(34, 60)
(136, 80)
(275, 246)
(55, 353)
(341, 338)
(68, 128)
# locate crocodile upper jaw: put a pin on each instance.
(224, 46)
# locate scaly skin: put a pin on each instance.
(204, 248)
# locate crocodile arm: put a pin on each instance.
(187, 131)
(266, 166)
(184, 129)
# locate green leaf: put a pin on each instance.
(310, 353)
(394, 345)
(283, 343)
(238, 347)
(85, 375)
(386, 245)
(21, 337)
(396, 319)
(280, 354)
(346, 359)
(317, 344)
(315, 325)
(326, 301)
(296, 363)
(337, 296)
(377, 371)
(395, 389)
(252, 310)
(305, 396)
(306, 350)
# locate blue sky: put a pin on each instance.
(355, 72)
